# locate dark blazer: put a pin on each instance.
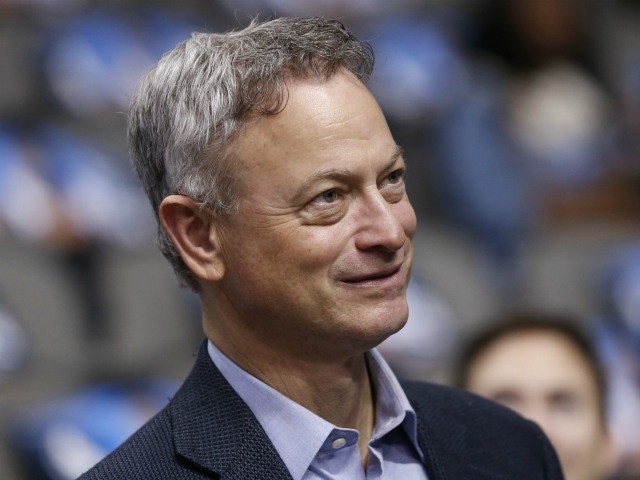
(207, 431)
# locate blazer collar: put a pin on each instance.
(214, 430)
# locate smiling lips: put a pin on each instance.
(374, 276)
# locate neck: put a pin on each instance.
(334, 386)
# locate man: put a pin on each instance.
(544, 368)
(280, 196)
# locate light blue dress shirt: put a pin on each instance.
(313, 448)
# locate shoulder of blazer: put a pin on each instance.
(206, 431)
(466, 436)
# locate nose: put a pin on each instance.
(381, 224)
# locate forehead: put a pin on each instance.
(533, 359)
(327, 123)
(324, 101)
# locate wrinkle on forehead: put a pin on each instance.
(312, 92)
(325, 125)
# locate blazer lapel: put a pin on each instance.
(434, 463)
(215, 431)
(442, 441)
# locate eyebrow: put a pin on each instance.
(338, 174)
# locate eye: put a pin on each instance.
(394, 177)
(565, 402)
(392, 186)
(329, 196)
(327, 207)
(507, 398)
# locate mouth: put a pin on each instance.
(374, 277)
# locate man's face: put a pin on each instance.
(319, 254)
(543, 376)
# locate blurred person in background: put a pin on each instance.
(527, 141)
(280, 198)
(545, 368)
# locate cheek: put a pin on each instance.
(298, 254)
(579, 438)
(320, 248)
(407, 217)
(253, 256)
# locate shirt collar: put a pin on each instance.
(392, 405)
(297, 433)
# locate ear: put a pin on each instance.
(193, 232)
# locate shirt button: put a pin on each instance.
(338, 443)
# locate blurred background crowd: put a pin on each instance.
(521, 123)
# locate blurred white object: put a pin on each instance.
(559, 115)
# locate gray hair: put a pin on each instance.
(188, 109)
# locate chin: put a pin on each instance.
(383, 324)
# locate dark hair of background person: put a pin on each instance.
(561, 325)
